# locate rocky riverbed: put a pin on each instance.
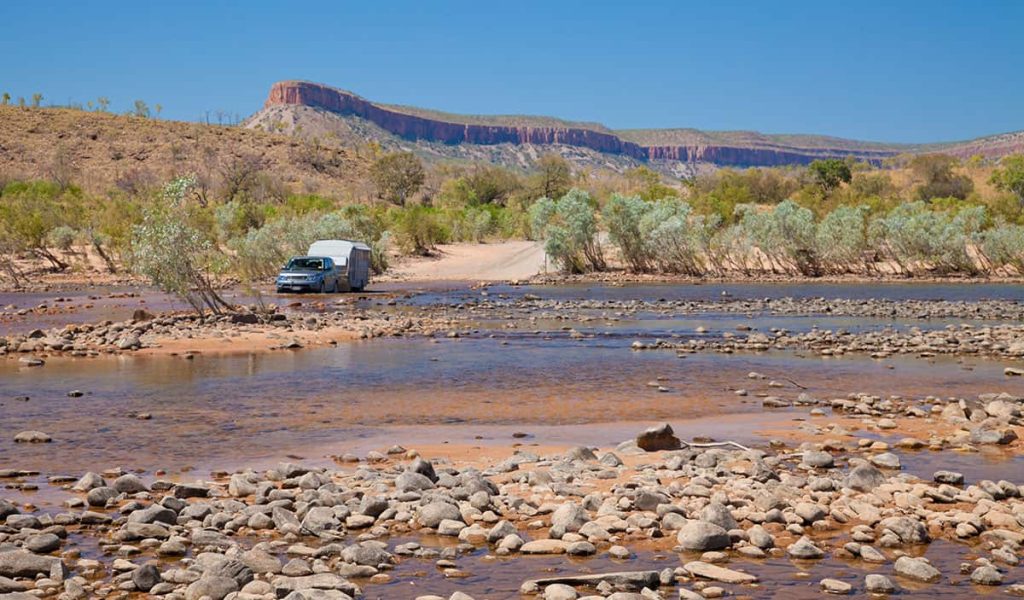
(393, 524)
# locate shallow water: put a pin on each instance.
(233, 411)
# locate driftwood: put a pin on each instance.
(714, 445)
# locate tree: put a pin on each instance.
(397, 176)
(174, 255)
(569, 227)
(158, 108)
(830, 173)
(6, 98)
(141, 110)
(103, 103)
(553, 177)
(935, 174)
(1009, 177)
(37, 98)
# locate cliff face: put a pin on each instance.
(413, 127)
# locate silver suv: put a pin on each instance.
(308, 274)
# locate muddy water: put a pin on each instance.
(232, 411)
(227, 408)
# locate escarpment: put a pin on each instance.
(727, 149)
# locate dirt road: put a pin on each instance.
(474, 262)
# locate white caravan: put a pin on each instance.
(351, 259)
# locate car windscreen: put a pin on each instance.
(306, 264)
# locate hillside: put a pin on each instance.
(311, 110)
(103, 151)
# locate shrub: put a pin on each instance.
(678, 241)
(397, 176)
(785, 234)
(177, 257)
(841, 238)
(1003, 245)
(569, 228)
(913, 235)
(418, 230)
(622, 216)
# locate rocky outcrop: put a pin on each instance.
(451, 131)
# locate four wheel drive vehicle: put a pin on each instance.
(310, 274)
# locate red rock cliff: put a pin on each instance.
(413, 127)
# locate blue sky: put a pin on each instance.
(907, 70)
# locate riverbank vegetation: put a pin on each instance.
(923, 215)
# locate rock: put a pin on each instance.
(805, 549)
(89, 481)
(718, 514)
(834, 586)
(432, 514)
(100, 496)
(145, 577)
(544, 546)
(916, 568)
(809, 512)
(559, 591)
(622, 581)
(864, 478)
(30, 361)
(878, 584)
(701, 536)
(1000, 436)
(413, 482)
(129, 484)
(658, 438)
(21, 563)
(886, 460)
(43, 543)
(818, 459)
(716, 573)
(907, 529)
(32, 437)
(1013, 372)
(569, 517)
(214, 587)
(950, 477)
(424, 468)
(154, 513)
(987, 575)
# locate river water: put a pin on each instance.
(228, 411)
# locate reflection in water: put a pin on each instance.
(231, 407)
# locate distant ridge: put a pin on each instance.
(688, 146)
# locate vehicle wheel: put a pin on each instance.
(334, 287)
(320, 288)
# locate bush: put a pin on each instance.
(913, 235)
(841, 238)
(678, 241)
(786, 235)
(418, 230)
(177, 257)
(569, 228)
(1003, 245)
(622, 216)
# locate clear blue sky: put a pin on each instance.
(905, 70)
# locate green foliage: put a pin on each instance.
(397, 176)
(140, 109)
(786, 235)
(552, 177)
(937, 178)
(569, 227)
(678, 240)
(914, 236)
(648, 184)
(1003, 245)
(1009, 177)
(622, 216)
(176, 256)
(30, 211)
(419, 229)
(841, 238)
(830, 173)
